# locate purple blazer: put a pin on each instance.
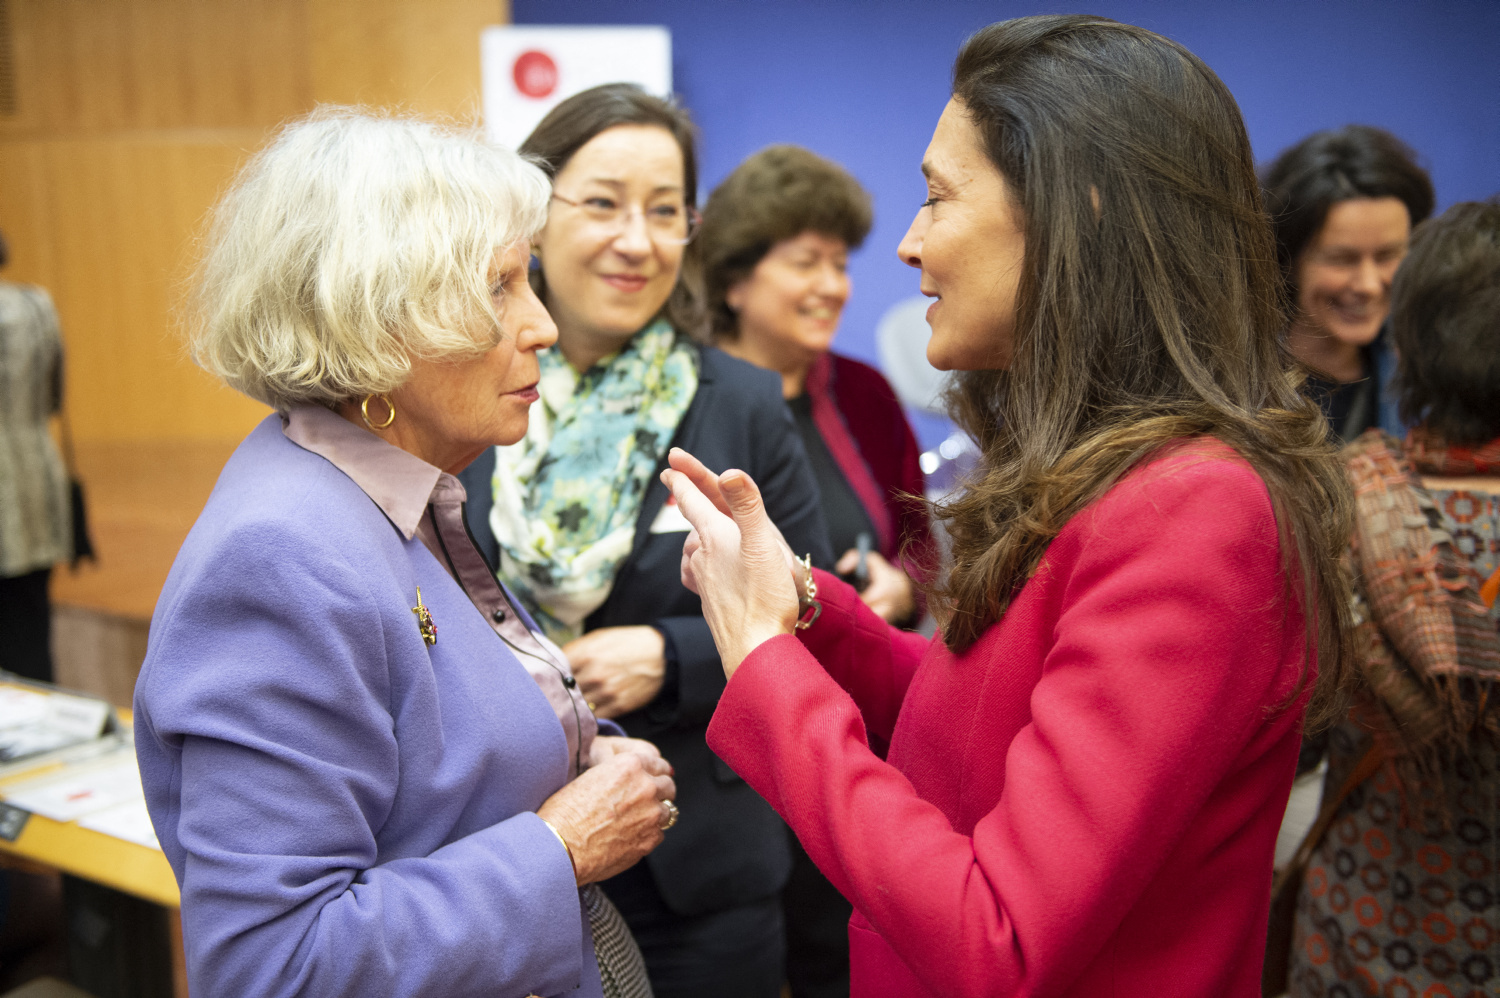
(348, 810)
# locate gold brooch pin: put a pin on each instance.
(424, 620)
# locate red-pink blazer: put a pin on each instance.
(1084, 803)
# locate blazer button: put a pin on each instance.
(569, 682)
(499, 615)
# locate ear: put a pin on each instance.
(734, 298)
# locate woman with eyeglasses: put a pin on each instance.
(577, 523)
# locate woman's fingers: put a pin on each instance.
(666, 788)
(655, 766)
(739, 566)
(706, 481)
(641, 747)
(745, 505)
(698, 509)
(611, 815)
(890, 592)
(689, 548)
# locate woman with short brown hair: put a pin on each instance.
(775, 246)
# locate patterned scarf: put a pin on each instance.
(1428, 647)
(567, 496)
(1430, 455)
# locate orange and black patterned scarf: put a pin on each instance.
(1429, 647)
(1429, 455)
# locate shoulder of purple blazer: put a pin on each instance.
(275, 500)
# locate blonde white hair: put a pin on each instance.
(351, 245)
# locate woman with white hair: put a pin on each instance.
(370, 772)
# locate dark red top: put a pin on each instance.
(862, 423)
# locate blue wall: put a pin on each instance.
(863, 81)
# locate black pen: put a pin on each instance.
(862, 569)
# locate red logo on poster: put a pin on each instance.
(535, 73)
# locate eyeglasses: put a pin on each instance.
(672, 223)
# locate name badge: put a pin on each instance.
(670, 520)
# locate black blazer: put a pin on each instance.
(729, 847)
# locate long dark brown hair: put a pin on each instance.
(1148, 311)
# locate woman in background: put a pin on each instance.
(1343, 204)
(35, 525)
(370, 774)
(775, 244)
(1402, 896)
(583, 531)
(1087, 769)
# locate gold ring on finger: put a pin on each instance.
(672, 814)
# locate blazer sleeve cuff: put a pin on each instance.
(700, 674)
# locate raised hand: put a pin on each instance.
(735, 559)
(708, 483)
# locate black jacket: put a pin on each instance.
(729, 847)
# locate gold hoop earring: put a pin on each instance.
(364, 412)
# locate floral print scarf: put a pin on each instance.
(567, 496)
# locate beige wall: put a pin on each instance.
(132, 114)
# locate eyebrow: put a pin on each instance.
(935, 177)
(612, 182)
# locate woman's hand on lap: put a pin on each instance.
(619, 669)
(735, 558)
(611, 816)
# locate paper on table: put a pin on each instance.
(128, 821)
(80, 790)
(33, 721)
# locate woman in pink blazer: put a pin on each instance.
(1087, 768)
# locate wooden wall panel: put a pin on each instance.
(106, 226)
(123, 214)
(134, 114)
(94, 65)
(420, 56)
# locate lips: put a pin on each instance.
(628, 283)
(1354, 313)
(529, 394)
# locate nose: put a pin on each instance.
(633, 239)
(1367, 277)
(831, 282)
(909, 250)
(536, 330)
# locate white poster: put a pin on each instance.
(529, 69)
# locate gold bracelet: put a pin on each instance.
(807, 600)
(566, 848)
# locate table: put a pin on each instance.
(113, 877)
